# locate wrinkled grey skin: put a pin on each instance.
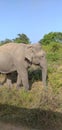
(19, 57)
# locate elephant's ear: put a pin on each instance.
(29, 53)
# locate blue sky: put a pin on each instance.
(35, 18)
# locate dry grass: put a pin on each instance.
(39, 108)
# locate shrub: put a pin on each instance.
(55, 47)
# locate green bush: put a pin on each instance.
(52, 56)
(35, 75)
(55, 47)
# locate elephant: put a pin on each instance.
(20, 57)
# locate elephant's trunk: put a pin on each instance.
(44, 74)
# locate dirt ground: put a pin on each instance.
(7, 126)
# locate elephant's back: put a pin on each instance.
(8, 46)
(12, 46)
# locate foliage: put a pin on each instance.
(54, 58)
(51, 37)
(5, 41)
(34, 75)
(22, 38)
(55, 46)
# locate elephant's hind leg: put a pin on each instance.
(3, 78)
(9, 83)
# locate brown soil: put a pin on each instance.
(7, 126)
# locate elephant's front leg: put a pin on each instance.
(24, 77)
(19, 81)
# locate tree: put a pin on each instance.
(22, 38)
(51, 37)
(5, 41)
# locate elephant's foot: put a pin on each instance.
(27, 88)
(9, 83)
(1, 84)
(19, 86)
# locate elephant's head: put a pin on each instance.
(37, 56)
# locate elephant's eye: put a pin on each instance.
(42, 56)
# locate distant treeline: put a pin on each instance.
(47, 39)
